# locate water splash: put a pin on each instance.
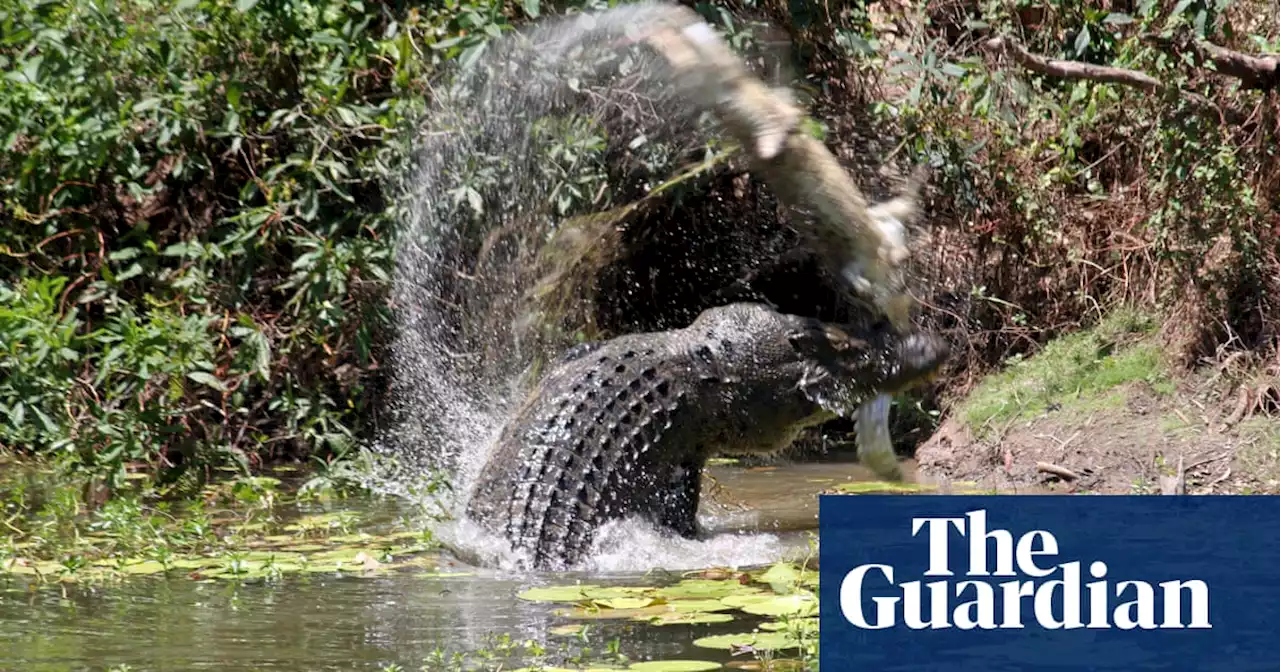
(634, 546)
(552, 123)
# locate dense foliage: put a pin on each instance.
(195, 218)
(195, 222)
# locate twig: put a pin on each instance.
(1208, 460)
(1061, 444)
(1059, 471)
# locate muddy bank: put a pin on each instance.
(1129, 441)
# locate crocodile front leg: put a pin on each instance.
(678, 506)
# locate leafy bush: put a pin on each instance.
(197, 230)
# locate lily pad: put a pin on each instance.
(783, 577)
(144, 567)
(707, 588)
(341, 554)
(31, 568)
(195, 563)
(757, 641)
(305, 548)
(625, 602)
(674, 666)
(774, 665)
(273, 557)
(597, 613)
(606, 592)
(685, 618)
(799, 604)
(803, 625)
(698, 605)
(571, 630)
(740, 601)
(557, 593)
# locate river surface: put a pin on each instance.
(321, 622)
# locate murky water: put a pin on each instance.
(318, 622)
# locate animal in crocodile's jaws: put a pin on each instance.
(623, 427)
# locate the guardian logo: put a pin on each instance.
(1053, 593)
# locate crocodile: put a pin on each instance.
(624, 427)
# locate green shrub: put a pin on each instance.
(197, 225)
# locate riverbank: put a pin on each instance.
(1102, 411)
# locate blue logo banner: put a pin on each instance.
(994, 583)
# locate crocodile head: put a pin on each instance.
(833, 367)
(843, 369)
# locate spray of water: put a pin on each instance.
(549, 124)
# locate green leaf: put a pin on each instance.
(205, 378)
(1082, 40)
(262, 355)
(245, 5)
(29, 71)
(533, 8)
(1118, 19)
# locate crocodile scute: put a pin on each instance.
(624, 427)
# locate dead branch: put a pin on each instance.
(1070, 69)
(1056, 470)
(1077, 70)
(1254, 72)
